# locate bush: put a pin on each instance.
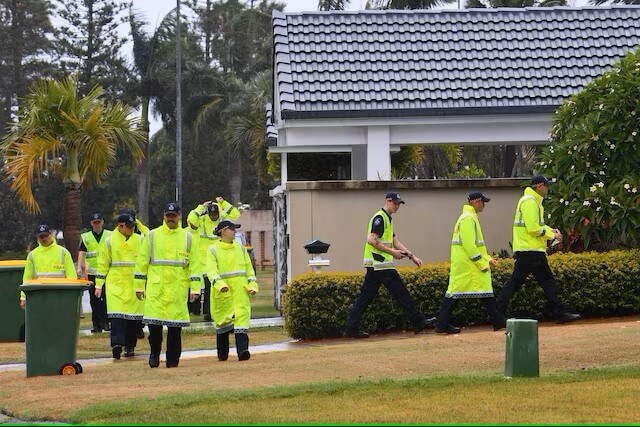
(594, 284)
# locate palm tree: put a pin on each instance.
(406, 4)
(332, 4)
(79, 137)
(513, 3)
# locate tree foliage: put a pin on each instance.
(594, 153)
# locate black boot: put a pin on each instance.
(222, 345)
(242, 346)
(497, 318)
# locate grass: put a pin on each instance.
(599, 396)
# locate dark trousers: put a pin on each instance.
(125, 332)
(174, 341)
(98, 306)
(369, 289)
(449, 304)
(536, 263)
(206, 301)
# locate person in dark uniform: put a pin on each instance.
(381, 248)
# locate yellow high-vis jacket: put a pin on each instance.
(53, 261)
(529, 230)
(92, 246)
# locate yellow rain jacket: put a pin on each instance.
(469, 257)
(48, 261)
(116, 264)
(529, 231)
(230, 264)
(92, 246)
(373, 257)
(164, 273)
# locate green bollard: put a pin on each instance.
(522, 349)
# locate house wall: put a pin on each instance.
(258, 228)
(338, 212)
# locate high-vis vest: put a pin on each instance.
(469, 257)
(164, 273)
(529, 230)
(373, 257)
(230, 264)
(116, 264)
(53, 261)
(92, 246)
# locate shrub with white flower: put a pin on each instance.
(594, 150)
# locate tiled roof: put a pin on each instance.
(426, 62)
(271, 134)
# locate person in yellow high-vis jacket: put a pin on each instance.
(530, 236)
(48, 260)
(116, 263)
(163, 276)
(233, 281)
(470, 274)
(380, 249)
(87, 264)
(203, 221)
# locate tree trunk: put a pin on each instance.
(509, 161)
(72, 218)
(235, 178)
(143, 167)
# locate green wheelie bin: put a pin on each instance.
(52, 325)
(11, 314)
(522, 356)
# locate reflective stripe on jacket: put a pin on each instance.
(469, 257)
(529, 230)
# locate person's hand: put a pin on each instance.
(219, 199)
(23, 303)
(417, 261)
(493, 261)
(140, 295)
(398, 254)
(557, 235)
(206, 203)
(98, 292)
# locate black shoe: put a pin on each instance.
(223, 357)
(105, 327)
(567, 317)
(129, 352)
(425, 324)
(140, 334)
(500, 325)
(244, 355)
(172, 364)
(116, 350)
(449, 329)
(356, 334)
(154, 360)
(96, 330)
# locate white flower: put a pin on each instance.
(573, 211)
(561, 200)
(634, 190)
(592, 189)
(549, 216)
(586, 203)
(600, 184)
(627, 186)
(601, 173)
(613, 146)
(601, 106)
(573, 167)
(575, 147)
(566, 202)
(595, 137)
(588, 164)
(634, 133)
(598, 209)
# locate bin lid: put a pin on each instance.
(54, 283)
(12, 264)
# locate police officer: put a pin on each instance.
(381, 247)
(470, 275)
(233, 280)
(116, 263)
(47, 260)
(163, 276)
(530, 235)
(87, 264)
(202, 221)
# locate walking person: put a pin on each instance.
(116, 263)
(470, 275)
(87, 265)
(203, 221)
(233, 281)
(530, 235)
(48, 260)
(380, 249)
(163, 278)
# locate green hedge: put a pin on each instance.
(591, 283)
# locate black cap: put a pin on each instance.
(126, 218)
(213, 207)
(475, 195)
(96, 217)
(394, 197)
(224, 224)
(172, 207)
(42, 229)
(540, 179)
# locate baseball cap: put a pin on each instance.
(475, 195)
(172, 207)
(213, 207)
(394, 197)
(126, 218)
(224, 224)
(96, 217)
(540, 179)
(42, 229)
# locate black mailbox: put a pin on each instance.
(317, 247)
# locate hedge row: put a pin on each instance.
(591, 283)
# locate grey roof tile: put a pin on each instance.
(377, 63)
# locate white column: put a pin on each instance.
(378, 154)
(283, 169)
